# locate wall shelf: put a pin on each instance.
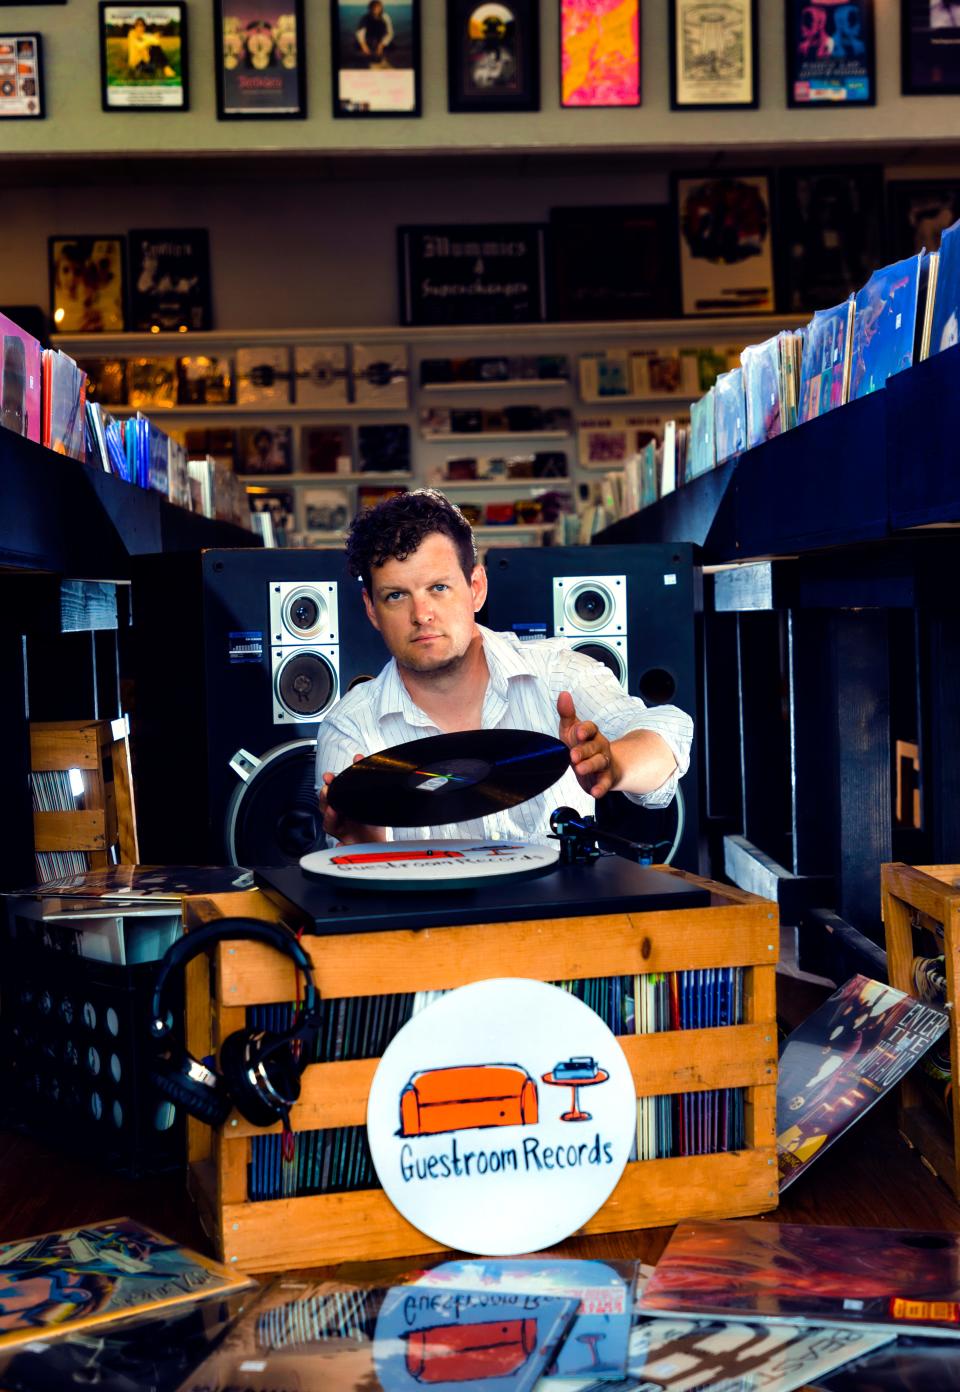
(440, 438)
(516, 384)
(543, 485)
(254, 410)
(278, 480)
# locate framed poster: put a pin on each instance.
(493, 55)
(726, 248)
(829, 234)
(86, 284)
(614, 262)
(482, 273)
(713, 54)
(21, 76)
(376, 57)
(259, 54)
(930, 47)
(918, 213)
(170, 280)
(143, 57)
(599, 53)
(830, 54)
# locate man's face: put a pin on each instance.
(424, 607)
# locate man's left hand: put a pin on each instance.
(591, 754)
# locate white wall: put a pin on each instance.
(77, 124)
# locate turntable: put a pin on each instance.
(457, 778)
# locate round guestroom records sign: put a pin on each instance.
(501, 1117)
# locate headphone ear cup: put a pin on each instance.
(260, 1074)
(208, 1103)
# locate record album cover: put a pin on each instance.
(264, 449)
(326, 509)
(320, 374)
(65, 1282)
(946, 309)
(204, 379)
(872, 1278)
(263, 376)
(326, 449)
(830, 57)
(884, 326)
(613, 262)
(381, 374)
(827, 356)
(21, 372)
(761, 390)
(106, 380)
(152, 382)
(842, 1060)
(731, 414)
(384, 449)
(170, 279)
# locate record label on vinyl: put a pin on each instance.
(500, 1118)
(436, 864)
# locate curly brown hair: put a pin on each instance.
(397, 526)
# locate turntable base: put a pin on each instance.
(429, 865)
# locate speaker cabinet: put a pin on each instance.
(237, 656)
(634, 608)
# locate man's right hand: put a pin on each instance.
(341, 828)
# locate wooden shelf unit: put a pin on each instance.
(100, 749)
(736, 929)
(920, 899)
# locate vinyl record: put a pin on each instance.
(449, 778)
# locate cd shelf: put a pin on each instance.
(435, 436)
(230, 410)
(535, 485)
(281, 480)
(515, 384)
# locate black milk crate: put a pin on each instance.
(77, 1051)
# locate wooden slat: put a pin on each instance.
(913, 884)
(126, 807)
(286, 1233)
(431, 959)
(760, 993)
(924, 1129)
(241, 903)
(335, 1094)
(760, 1114)
(198, 1038)
(65, 744)
(720, 894)
(70, 831)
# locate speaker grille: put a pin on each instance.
(274, 817)
(602, 652)
(305, 683)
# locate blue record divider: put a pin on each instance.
(923, 440)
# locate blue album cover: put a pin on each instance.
(648, 474)
(703, 456)
(730, 413)
(761, 389)
(158, 459)
(884, 326)
(946, 304)
(830, 53)
(596, 1344)
(822, 370)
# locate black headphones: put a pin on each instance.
(259, 1069)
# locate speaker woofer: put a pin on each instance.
(273, 816)
(305, 683)
(611, 658)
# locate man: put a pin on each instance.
(416, 556)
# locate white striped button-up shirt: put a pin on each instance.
(525, 681)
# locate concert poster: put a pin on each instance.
(376, 57)
(260, 58)
(830, 53)
(143, 57)
(726, 255)
(21, 76)
(599, 53)
(930, 47)
(713, 54)
(493, 55)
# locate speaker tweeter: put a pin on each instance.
(594, 604)
(303, 613)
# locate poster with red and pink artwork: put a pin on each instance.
(599, 53)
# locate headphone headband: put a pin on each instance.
(245, 929)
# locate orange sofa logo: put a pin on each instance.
(466, 1096)
(468, 1352)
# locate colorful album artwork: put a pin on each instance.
(726, 256)
(884, 327)
(703, 444)
(870, 1278)
(946, 309)
(761, 390)
(930, 47)
(376, 57)
(87, 284)
(825, 368)
(843, 1059)
(143, 57)
(714, 54)
(64, 1282)
(830, 57)
(599, 53)
(731, 414)
(260, 71)
(493, 55)
(21, 76)
(20, 380)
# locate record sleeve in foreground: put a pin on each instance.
(873, 1278)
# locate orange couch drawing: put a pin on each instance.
(465, 1096)
(467, 1352)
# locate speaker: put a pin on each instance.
(236, 658)
(635, 609)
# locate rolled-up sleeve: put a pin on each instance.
(599, 697)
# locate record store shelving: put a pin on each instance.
(831, 634)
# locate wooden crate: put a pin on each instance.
(100, 749)
(736, 929)
(923, 901)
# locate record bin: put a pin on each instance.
(921, 918)
(734, 929)
(76, 1046)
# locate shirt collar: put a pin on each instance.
(504, 663)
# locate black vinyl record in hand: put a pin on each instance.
(448, 778)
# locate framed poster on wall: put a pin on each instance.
(143, 57)
(713, 54)
(259, 52)
(87, 283)
(481, 273)
(726, 247)
(169, 279)
(930, 47)
(830, 53)
(493, 55)
(919, 211)
(21, 76)
(599, 53)
(376, 57)
(829, 232)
